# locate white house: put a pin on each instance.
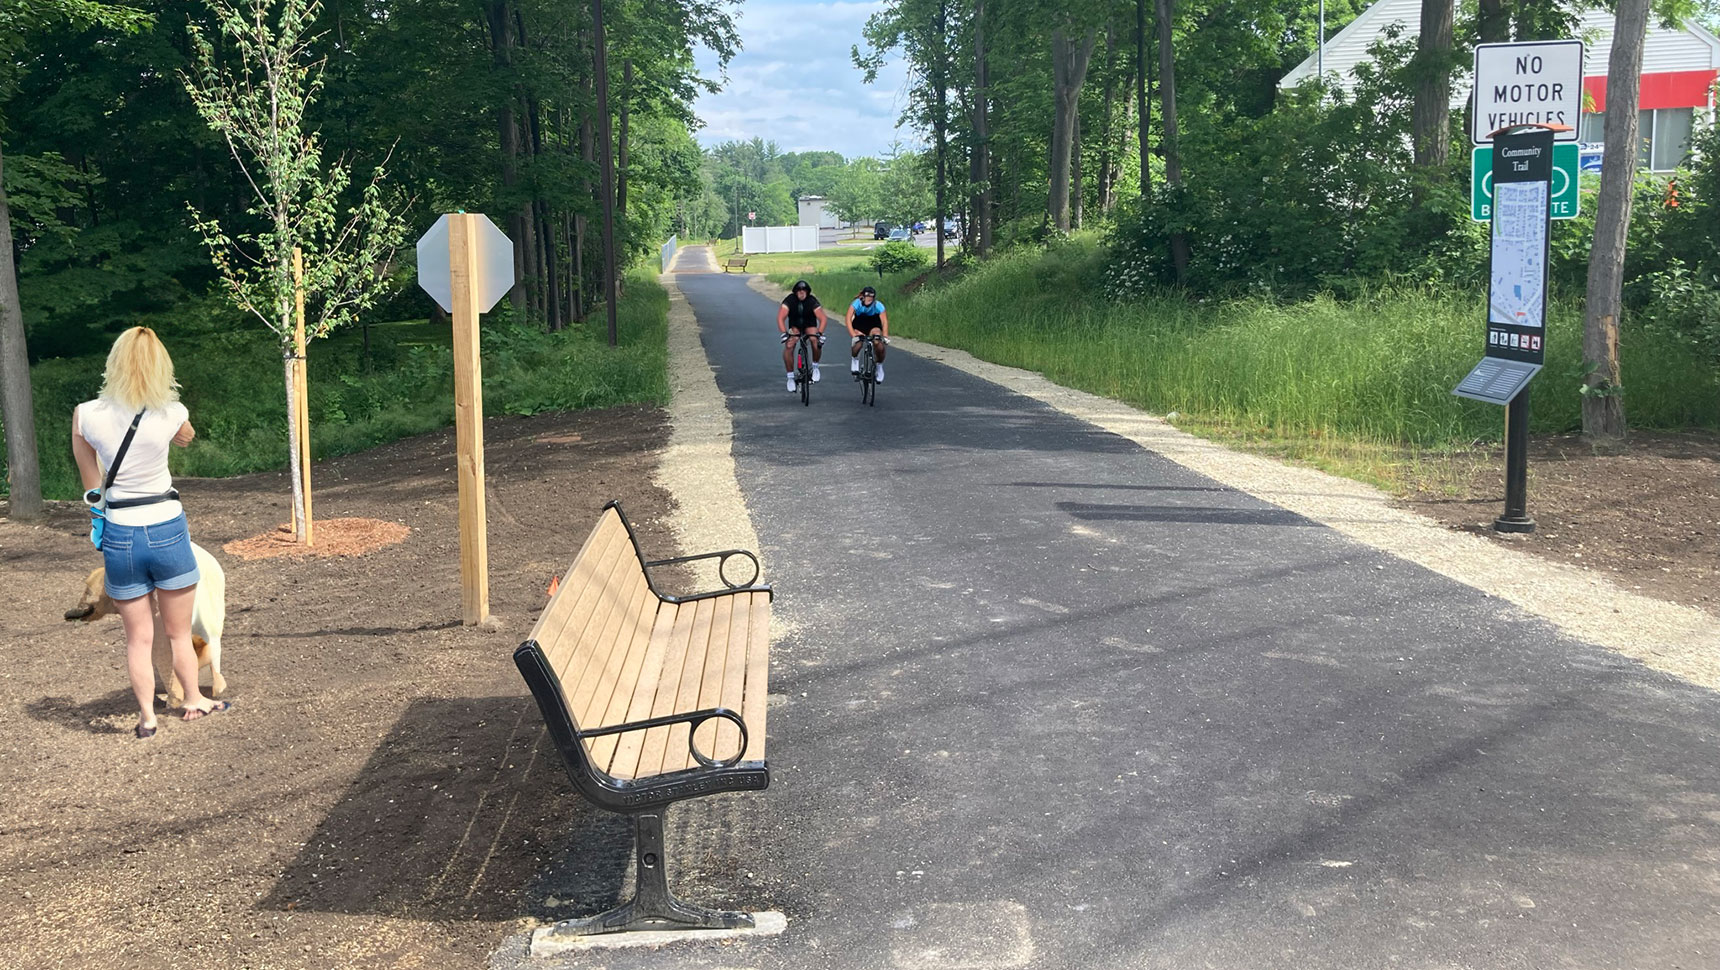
(814, 213)
(1679, 71)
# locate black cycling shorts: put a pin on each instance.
(867, 324)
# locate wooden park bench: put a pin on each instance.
(651, 699)
(735, 262)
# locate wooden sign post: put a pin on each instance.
(301, 395)
(469, 423)
(467, 264)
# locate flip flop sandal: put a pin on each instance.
(198, 714)
(144, 733)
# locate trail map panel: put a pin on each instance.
(1517, 271)
(1519, 254)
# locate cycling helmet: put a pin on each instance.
(868, 291)
(800, 285)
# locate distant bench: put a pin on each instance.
(651, 699)
(735, 262)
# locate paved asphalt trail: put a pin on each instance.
(1051, 700)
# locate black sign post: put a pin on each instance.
(1516, 301)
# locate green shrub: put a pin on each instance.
(897, 257)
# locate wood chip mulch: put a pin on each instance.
(329, 537)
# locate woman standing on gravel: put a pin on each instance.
(145, 541)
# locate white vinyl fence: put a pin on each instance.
(779, 239)
(667, 253)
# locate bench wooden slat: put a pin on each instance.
(641, 752)
(597, 642)
(731, 689)
(555, 614)
(622, 680)
(597, 684)
(670, 623)
(583, 588)
(709, 693)
(677, 690)
(757, 699)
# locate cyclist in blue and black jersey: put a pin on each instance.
(865, 315)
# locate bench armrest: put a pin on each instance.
(696, 719)
(724, 556)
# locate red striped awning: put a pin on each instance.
(1671, 89)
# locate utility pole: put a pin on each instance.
(606, 147)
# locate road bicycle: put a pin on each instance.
(803, 365)
(867, 375)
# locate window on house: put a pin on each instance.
(1592, 128)
(1663, 137)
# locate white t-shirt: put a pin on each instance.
(144, 472)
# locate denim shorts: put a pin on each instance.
(141, 558)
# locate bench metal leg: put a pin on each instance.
(652, 907)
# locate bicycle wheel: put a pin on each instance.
(868, 374)
(803, 370)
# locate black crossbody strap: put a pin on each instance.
(119, 455)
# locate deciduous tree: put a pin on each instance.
(258, 100)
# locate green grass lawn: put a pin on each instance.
(821, 261)
(231, 380)
(1359, 387)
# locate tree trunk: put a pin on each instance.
(626, 112)
(606, 160)
(939, 126)
(1068, 71)
(1077, 188)
(1168, 141)
(293, 467)
(508, 130)
(17, 409)
(1125, 132)
(1430, 117)
(551, 269)
(581, 222)
(982, 203)
(1603, 407)
(1107, 121)
(1493, 22)
(1143, 110)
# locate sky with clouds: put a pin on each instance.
(794, 83)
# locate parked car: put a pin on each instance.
(952, 229)
(919, 226)
(901, 234)
(881, 230)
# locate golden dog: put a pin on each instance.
(208, 616)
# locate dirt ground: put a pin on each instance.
(1648, 519)
(381, 795)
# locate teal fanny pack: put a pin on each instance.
(98, 508)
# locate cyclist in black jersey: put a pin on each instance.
(799, 313)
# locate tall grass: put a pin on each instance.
(1335, 382)
(231, 381)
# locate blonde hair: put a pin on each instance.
(139, 373)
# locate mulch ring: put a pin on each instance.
(329, 537)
